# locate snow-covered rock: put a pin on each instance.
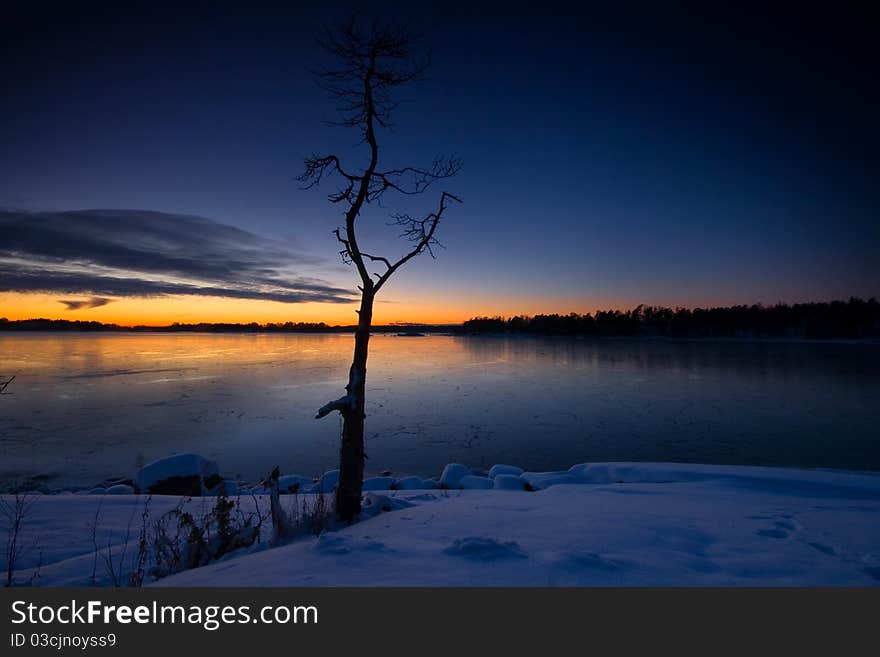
(474, 482)
(378, 483)
(409, 483)
(98, 490)
(181, 474)
(120, 489)
(502, 469)
(294, 484)
(542, 480)
(509, 482)
(452, 474)
(375, 503)
(327, 483)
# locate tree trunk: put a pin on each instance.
(351, 452)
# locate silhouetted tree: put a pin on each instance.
(371, 64)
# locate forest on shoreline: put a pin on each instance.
(852, 319)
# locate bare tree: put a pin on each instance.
(372, 62)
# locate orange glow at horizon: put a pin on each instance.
(162, 311)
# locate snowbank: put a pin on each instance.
(617, 524)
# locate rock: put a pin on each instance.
(378, 483)
(328, 482)
(501, 469)
(542, 480)
(181, 474)
(475, 482)
(294, 484)
(509, 482)
(452, 474)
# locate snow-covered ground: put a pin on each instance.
(596, 524)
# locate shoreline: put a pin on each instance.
(395, 332)
(595, 524)
(246, 486)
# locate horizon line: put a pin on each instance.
(404, 324)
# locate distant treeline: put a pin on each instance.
(204, 327)
(855, 318)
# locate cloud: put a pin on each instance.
(138, 253)
(94, 302)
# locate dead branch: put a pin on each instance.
(420, 231)
(342, 404)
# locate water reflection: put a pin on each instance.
(88, 406)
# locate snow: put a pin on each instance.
(609, 524)
(374, 504)
(473, 482)
(294, 483)
(502, 469)
(485, 549)
(178, 465)
(120, 489)
(410, 483)
(378, 483)
(509, 482)
(452, 474)
(327, 483)
(542, 480)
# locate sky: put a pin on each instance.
(149, 155)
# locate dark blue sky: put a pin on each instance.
(611, 157)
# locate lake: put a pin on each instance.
(85, 407)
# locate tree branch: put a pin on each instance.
(342, 405)
(425, 229)
(373, 62)
(413, 180)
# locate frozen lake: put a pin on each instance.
(89, 406)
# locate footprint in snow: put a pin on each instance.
(484, 549)
(594, 561)
(329, 544)
(781, 528)
(773, 533)
(824, 549)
